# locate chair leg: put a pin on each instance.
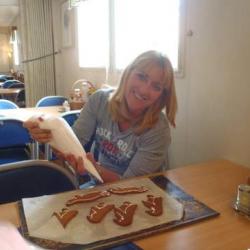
(48, 152)
(35, 150)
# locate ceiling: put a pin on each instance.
(8, 11)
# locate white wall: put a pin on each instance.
(217, 83)
(213, 119)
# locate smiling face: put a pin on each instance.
(143, 88)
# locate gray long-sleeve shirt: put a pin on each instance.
(125, 153)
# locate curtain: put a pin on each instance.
(37, 49)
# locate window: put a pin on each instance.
(93, 33)
(14, 42)
(111, 33)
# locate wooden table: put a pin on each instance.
(7, 91)
(24, 113)
(213, 183)
(10, 94)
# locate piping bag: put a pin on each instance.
(64, 139)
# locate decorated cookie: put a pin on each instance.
(65, 216)
(98, 212)
(154, 204)
(127, 190)
(125, 213)
(87, 197)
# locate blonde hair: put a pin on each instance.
(118, 106)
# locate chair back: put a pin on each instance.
(15, 143)
(20, 99)
(71, 116)
(51, 101)
(6, 104)
(16, 85)
(4, 78)
(12, 133)
(34, 178)
(8, 83)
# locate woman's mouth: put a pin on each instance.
(138, 96)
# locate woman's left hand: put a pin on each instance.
(107, 175)
(78, 165)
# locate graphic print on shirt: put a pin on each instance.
(118, 151)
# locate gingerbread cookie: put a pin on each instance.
(124, 214)
(127, 190)
(87, 197)
(65, 216)
(98, 212)
(154, 204)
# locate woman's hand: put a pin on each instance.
(38, 134)
(78, 165)
(107, 175)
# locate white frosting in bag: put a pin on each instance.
(64, 139)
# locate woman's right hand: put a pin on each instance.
(38, 134)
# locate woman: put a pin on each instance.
(131, 132)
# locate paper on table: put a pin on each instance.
(38, 212)
(64, 139)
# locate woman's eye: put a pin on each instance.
(157, 87)
(141, 76)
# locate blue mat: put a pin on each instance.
(128, 246)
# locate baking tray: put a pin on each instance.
(194, 211)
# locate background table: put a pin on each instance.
(10, 91)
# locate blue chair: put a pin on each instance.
(16, 85)
(15, 143)
(34, 178)
(6, 104)
(20, 99)
(4, 78)
(51, 101)
(8, 83)
(71, 116)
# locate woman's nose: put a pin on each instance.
(145, 88)
(147, 84)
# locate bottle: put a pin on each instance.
(85, 90)
(66, 106)
(77, 96)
